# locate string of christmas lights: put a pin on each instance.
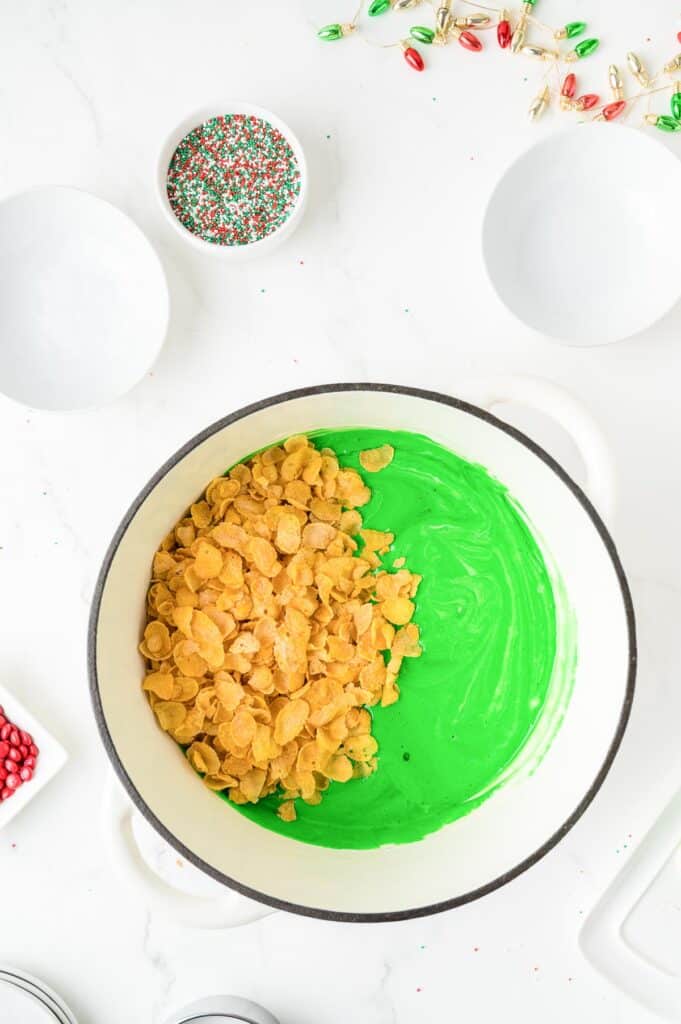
(521, 33)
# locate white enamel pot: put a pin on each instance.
(515, 827)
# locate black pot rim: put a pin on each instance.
(307, 911)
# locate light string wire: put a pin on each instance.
(554, 65)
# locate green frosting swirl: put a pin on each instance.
(499, 651)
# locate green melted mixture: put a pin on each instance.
(490, 624)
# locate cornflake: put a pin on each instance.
(272, 627)
(373, 460)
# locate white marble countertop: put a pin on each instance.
(383, 281)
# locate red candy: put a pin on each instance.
(18, 757)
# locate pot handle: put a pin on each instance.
(228, 910)
(570, 414)
(603, 939)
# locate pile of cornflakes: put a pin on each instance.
(270, 632)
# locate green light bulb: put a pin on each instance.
(676, 106)
(422, 34)
(329, 33)
(586, 47)
(574, 28)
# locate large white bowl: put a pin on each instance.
(464, 860)
(84, 302)
(578, 234)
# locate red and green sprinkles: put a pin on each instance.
(233, 180)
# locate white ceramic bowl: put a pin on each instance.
(222, 1010)
(579, 234)
(84, 303)
(52, 757)
(235, 253)
(473, 855)
(25, 1000)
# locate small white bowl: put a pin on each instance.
(577, 234)
(51, 759)
(236, 253)
(223, 1010)
(26, 1000)
(84, 303)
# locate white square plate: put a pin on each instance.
(51, 760)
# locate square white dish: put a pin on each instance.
(51, 760)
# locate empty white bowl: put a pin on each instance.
(579, 234)
(223, 1010)
(25, 1000)
(83, 300)
(235, 253)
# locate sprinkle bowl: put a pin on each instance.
(264, 243)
